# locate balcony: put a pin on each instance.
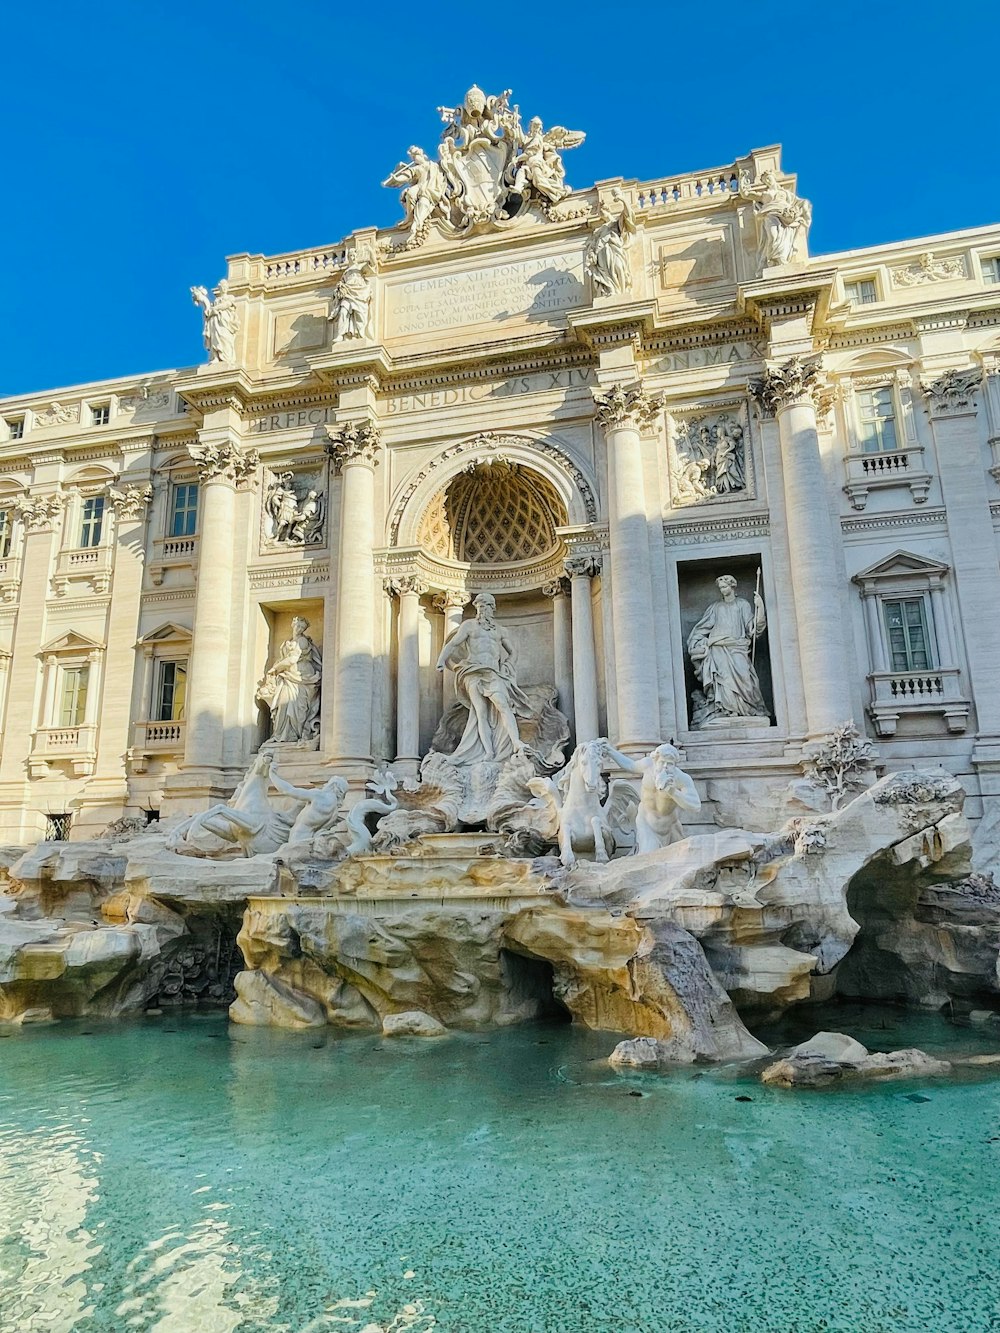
(173, 553)
(91, 564)
(10, 578)
(77, 745)
(873, 472)
(155, 740)
(897, 694)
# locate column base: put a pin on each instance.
(194, 789)
(356, 768)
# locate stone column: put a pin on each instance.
(355, 448)
(221, 466)
(581, 569)
(409, 590)
(129, 503)
(50, 676)
(91, 705)
(452, 604)
(623, 411)
(789, 392)
(562, 645)
(951, 402)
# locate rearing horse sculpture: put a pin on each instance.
(588, 822)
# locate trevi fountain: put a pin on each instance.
(509, 842)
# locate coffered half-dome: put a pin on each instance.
(494, 513)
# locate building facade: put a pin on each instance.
(591, 404)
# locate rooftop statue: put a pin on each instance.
(350, 313)
(782, 218)
(221, 322)
(489, 169)
(607, 259)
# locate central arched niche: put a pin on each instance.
(494, 512)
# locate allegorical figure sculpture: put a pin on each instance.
(721, 647)
(665, 791)
(290, 687)
(782, 218)
(221, 322)
(606, 258)
(290, 517)
(423, 187)
(482, 658)
(247, 821)
(350, 313)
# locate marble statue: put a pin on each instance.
(606, 258)
(350, 313)
(221, 322)
(247, 822)
(665, 791)
(423, 187)
(290, 517)
(721, 647)
(489, 168)
(482, 658)
(782, 218)
(290, 688)
(709, 459)
(320, 807)
(590, 812)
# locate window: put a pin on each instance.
(862, 291)
(184, 510)
(73, 701)
(57, 827)
(171, 686)
(906, 631)
(6, 532)
(100, 416)
(877, 420)
(93, 521)
(15, 428)
(991, 269)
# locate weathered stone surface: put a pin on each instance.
(830, 1057)
(263, 1001)
(412, 1023)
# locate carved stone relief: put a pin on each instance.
(709, 458)
(294, 510)
(925, 268)
(58, 414)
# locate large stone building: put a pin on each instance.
(590, 404)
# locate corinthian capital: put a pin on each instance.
(130, 501)
(224, 459)
(37, 512)
(402, 584)
(953, 392)
(795, 381)
(626, 405)
(354, 442)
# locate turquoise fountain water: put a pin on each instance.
(182, 1176)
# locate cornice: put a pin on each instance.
(684, 532)
(794, 291)
(701, 335)
(875, 522)
(573, 357)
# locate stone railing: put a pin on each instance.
(172, 553)
(897, 693)
(296, 266)
(872, 472)
(93, 563)
(152, 740)
(77, 744)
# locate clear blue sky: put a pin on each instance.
(147, 139)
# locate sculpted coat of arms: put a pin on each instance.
(489, 169)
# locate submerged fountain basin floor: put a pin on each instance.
(181, 1175)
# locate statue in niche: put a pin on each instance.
(709, 459)
(290, 688)
(221, 322)
(722, 647)
(782, 218)
(606, 258)
(350, 313)
(291, 517)
(482, 658)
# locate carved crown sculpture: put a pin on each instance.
(489, 169)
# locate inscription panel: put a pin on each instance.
(537, 288)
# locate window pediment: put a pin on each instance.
(71, 642)
(903, 565)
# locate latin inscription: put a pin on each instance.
(310, 416)
(529, 287)
(696, 358)
(476, 393)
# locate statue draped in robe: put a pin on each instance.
(720, 649)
